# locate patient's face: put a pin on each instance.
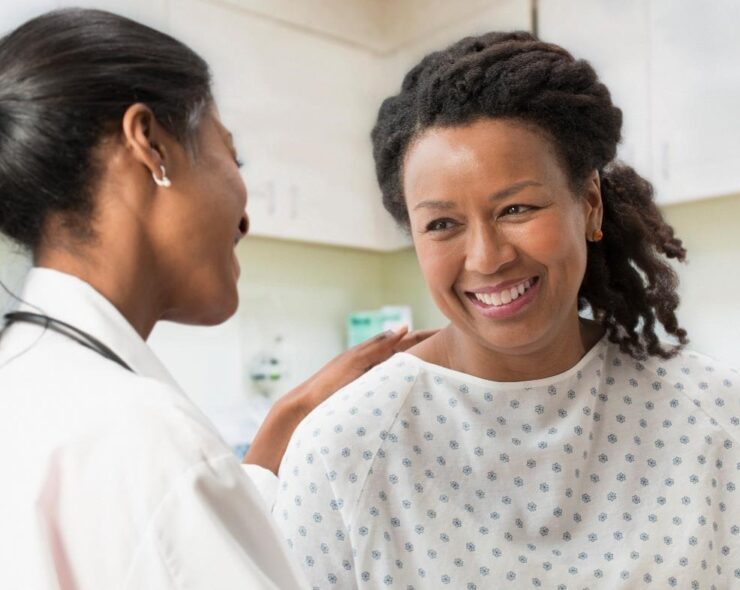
(499, 234)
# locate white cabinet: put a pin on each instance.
(671, 66)
(301, 107)
(612, 35)
(695, 95)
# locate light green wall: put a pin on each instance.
(404, 283)
(710, 281)
(368, 279)
(307, 268)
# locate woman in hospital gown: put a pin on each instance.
(524, 446)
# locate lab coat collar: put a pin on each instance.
(70, 299)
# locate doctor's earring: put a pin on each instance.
(164, 181)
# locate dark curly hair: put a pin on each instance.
(628, 284)
(66, 79)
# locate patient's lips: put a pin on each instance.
(505, 299)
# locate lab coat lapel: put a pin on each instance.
(69, 299)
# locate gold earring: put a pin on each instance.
(597, 236)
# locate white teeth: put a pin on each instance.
(505, 296)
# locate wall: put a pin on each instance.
(14, 263)
(710, 281)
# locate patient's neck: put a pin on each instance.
(456, 349)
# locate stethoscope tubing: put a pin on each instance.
(68, 330)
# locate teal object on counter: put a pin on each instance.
(362, 325)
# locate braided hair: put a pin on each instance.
(628, 284)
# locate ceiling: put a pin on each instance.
(380, 26)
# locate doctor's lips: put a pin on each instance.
(502, 294)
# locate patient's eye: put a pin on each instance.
(440, 225)
(518, 209)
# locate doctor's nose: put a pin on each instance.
(244, 224)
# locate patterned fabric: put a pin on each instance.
(616, 473)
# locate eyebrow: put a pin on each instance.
(501, 194)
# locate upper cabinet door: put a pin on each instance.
(300, 106)
(695, 87)
(613, 36)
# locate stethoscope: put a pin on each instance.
(67, 330)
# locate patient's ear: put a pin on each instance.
(592, 203)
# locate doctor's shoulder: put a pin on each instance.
(96, 414)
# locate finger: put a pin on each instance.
(413, 338)
(381, 347)
(382, 340)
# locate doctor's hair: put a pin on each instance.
(66, 79)
(628, 284)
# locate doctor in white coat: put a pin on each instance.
(116, 172)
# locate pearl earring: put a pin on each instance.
(164, 181)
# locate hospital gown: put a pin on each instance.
(615, 473)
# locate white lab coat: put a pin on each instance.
(115, 479)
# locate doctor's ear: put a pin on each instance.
(146, 140)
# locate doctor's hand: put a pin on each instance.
(272, 439)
